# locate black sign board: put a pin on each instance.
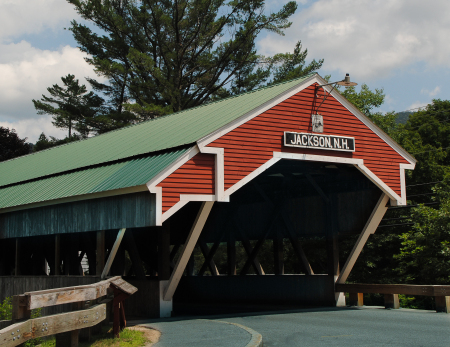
(319, 141)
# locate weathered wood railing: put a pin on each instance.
(24, 328)
(391, 291)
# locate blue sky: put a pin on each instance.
(399, 45)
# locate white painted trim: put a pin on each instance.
(294, 90)
(313, 157)
(158, 208)
(219, 169)
(257, 111)
(404, 167)
(251, 176)
(171, 168)
(197, 197)
(378, 182)
(188, 247)
(367, 122)
(172, 210)
(371, 226)
(165, 307)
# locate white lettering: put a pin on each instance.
(293, 141)
(344, 143)
(316, 141)
(321, 141)
(328, 142)
(309, 141)
(336, 143)
(304, 140)
(299, 140)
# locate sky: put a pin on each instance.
(399, 45)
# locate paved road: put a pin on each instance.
(366, 326)
(351, 327)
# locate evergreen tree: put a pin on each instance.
(72, 106)
(167, 56)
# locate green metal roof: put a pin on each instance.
(125, 174)
(178, 129)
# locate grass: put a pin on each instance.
(128, 338)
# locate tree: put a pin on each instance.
(44, 142)
(167, 56)
(11, 145)
(75, 107)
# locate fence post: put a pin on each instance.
(391, 301)
(442, 303)
(19, 309)
(356, 299)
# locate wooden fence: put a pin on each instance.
(23, 328)
(391, 291)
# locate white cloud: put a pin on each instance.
(369, 38)
(416, 105)
(27, 72)
(18, 17)
(431, 93)
(32, 128)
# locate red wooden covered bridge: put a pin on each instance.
(262, 167)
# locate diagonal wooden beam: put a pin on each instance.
(113, 252)
(255, 263)
(296, 245)
(188, 247)
(370, 228)
(208, 253)
(317, 187)
(260, 242)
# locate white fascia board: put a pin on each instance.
(378, 182)
(404, 167)
(219, 169)
(204, 141)
(311, 157)
(363, 118)
(171, 168)
(172, 210)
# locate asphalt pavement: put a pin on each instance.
(346, 326)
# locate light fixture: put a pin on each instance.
(345, 82)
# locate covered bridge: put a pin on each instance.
(265, 167)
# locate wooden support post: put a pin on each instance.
(113, 252)
(100, 261)
(370, 227)
(333, 255)
(208, 254)
(391, 301)
(164, 252)
(191, 241)
(356, 299)
(69, 339)
(17, 270)
(231, 257)
(57, 260)
(20, 311)
(134, 256)
(442, 303)
(255, 263)
(278, 256)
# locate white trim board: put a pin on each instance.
(294, 90)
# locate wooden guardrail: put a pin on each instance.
(24, 328)
(391, 291)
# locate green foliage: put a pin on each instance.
(6, 309)
(44, 142)
(11, 146)
(365, 100)
(71, 106)
(167, 56)
(425, 253)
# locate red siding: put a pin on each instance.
(194, 177)
(253, 143)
